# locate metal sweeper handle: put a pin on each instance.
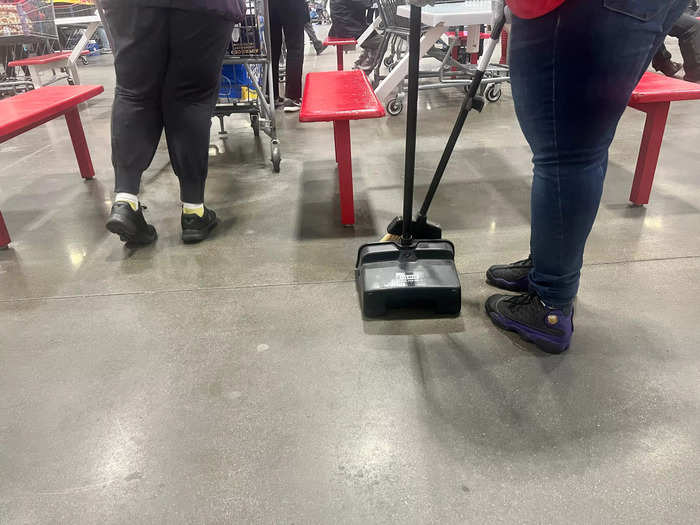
(467, 104)
(411, 117)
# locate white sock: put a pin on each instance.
(132, 199)
(197, 209)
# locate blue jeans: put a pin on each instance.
(572, 73)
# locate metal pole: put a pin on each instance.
(411, 118)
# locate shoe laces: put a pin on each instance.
(524, 262)
(523, 299)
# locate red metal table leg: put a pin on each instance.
(339, 51)
(82, 153)
(504, 47)
(649, 150)
(4, 234)
(341, 130)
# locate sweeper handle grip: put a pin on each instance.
(467, 104)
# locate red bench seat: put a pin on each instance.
(29, 110)
(653, 95)
(43, 59)
(340, 43)
(339, 97)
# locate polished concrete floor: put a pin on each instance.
(236, 381)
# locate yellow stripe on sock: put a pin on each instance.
(199, 212)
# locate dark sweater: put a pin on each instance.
(228, 9)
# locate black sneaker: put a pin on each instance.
(668, 67)
(196, 228)
(513, 277)
(548, 328)
(130, 225)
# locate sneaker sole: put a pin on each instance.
(543, 342)
(503, 284)
(126, 234)
(195, 236)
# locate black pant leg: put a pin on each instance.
(687, 30)
(294, 38)
(198, 42)
(276, 52)
(140, 59)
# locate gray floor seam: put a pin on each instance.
(288, 284)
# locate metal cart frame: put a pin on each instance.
(36, 27)
(258, 66)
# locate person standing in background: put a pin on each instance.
(287, 20)
(350, 21)
(167, 59)
(687, 30)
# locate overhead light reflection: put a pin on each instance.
(76, 256)
(655, 223)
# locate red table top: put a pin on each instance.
(333, 41)
(339, 95)
(23, 111)
(43, 59)
(660, 88)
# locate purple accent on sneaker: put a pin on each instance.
(521, 285)
(549, 343)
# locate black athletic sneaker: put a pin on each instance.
(548, 328)
(130, 225)
(668, 67)
(196, 228)
(513, 277)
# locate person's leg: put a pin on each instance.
(662, 62)
(140, 58)
(197, 45)
(370, 49)
(101, 35)
(687, 30)
(318, 45)
(294, 38)
(276, 52)
(569, 120)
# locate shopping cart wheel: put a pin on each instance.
(84, 60)
(255, 124)
(493, 92)
(276, 157)
(394, 107)
(388, 61)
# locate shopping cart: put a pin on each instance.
(246, 80)
(26, 27)
(457, 64)
(72, 17)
